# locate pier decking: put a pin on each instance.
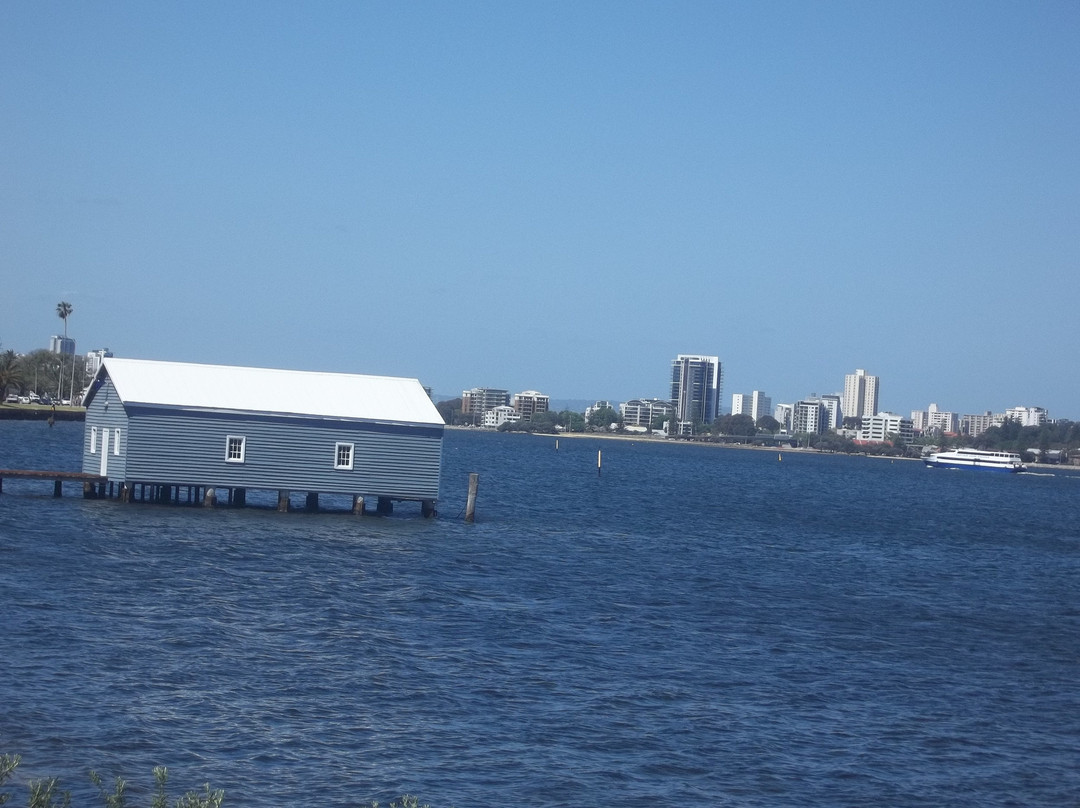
(92, 483)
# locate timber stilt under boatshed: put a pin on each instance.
(157, 429)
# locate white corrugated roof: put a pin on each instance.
(291, 392)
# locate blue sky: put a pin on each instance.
(559, 196)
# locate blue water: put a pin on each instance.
(696, 626)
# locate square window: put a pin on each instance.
(234, 449)
(343, 456)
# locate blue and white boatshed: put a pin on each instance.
(164, 426)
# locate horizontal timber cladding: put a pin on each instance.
(106, 412)
(295, 454)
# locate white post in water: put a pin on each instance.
(599, 461)
(470, 503)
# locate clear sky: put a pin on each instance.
(558, 196)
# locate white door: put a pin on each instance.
(104, 453)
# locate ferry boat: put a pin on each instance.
(976, 459)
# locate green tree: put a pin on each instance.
(572, 421)
(603, 417)
(10, 373)
(740, 425)
(450, 410)
(767, 423)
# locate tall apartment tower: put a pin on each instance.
(755, 405)
(696, 384)
(860, 394)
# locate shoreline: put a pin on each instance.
(33, 412)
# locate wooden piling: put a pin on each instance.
(599, 461)
(358, 505)
(209, 498)
(58, 488)
(470, 503)
(427, 508)
(282, 501)
(384, 506)
(312, 503)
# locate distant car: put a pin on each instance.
(24, 399)
(12, 398)
(66, 402)
(45, 399)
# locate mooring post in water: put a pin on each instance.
(312, 503)
(470, 503)
(556, 444)
(599, 461)
(209, 498)
(358, 505)
(427, 508)
(283, 501)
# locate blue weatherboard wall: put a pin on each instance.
(105, 411)
(167, 445)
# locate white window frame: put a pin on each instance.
(93, 440)
(229, 445)
(337, 456)
(116, 441)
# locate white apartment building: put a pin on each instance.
(834, 408)
(878, 428)
(642, 411)
(810, 416)
(497, 416)
(974, 425)
(761, 405)
(756, 404)
(782, 413)
(860, 394)
(1028, 416)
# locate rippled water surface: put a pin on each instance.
(697, 626)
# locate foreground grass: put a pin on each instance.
(47, 793)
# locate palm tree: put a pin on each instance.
(63, 311)
(10, 372)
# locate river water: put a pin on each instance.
(693, 626)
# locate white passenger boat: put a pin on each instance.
(976, 459)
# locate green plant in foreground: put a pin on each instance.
(46, 793)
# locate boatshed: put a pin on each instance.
(218, 429)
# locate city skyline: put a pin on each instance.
(567, 195)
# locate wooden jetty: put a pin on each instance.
(93, 484)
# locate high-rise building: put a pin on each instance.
(479, 400)
(761, 405)
(809, 415)
(782, 413)
(530, 403)
(755, 405)
(62, 345)
(860, 394)
(696, 384)
(975, 425)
